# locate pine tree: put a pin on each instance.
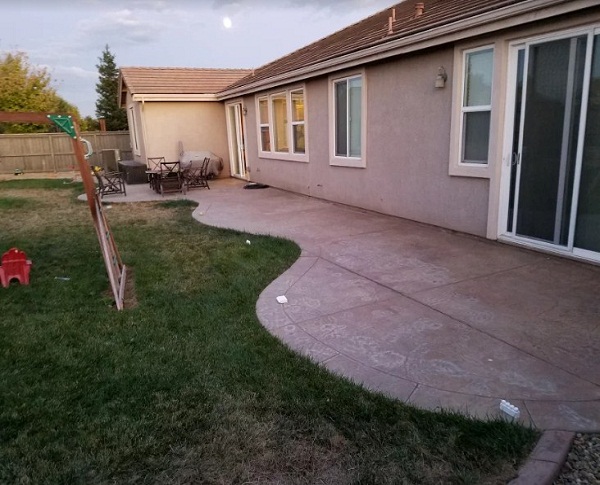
(107, 88)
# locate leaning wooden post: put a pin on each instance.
(112, 259)
(70, 127)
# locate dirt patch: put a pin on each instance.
(129, 296)
(73, 175)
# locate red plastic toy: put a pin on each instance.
(15, 265)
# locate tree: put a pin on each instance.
(89, 124)
(107, 88)
(24, 87)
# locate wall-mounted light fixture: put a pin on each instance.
(441, 78)
(244, 111)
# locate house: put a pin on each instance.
(173, 109)
(480, 116)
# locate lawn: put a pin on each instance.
(184, 385)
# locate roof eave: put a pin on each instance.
(506, 17)
(120, 90)
(173, 97)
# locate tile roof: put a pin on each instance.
(165, 80)
(398, 24)
(374, 31)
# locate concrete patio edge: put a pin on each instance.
(223, 209)
(546, 460)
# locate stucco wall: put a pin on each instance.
(198, 125)
(136, 132)
(408, 143)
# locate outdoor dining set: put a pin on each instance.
(162, 176)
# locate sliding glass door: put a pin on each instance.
(587, 229)
(554, 187)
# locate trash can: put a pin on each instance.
(134, 171)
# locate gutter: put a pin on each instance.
(503, 18)
(174, 97)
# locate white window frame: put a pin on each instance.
(288, 155)
(337, 160)
(457, 166)
(297, 123)
(262, 125)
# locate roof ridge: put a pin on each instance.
(187, 68)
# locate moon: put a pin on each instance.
(227, 22)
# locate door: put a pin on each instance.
(554, 192)
(237, 145)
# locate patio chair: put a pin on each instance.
(153, 171)
(197, 175)
(170, 179)
(109, 183)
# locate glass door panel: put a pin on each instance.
(554, 83)
(237, 151)
(516, 138)
(587, 229)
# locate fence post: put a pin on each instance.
(52, 155)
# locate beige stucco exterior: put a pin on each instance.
(407, 149)
(411, 138)
(198, 125)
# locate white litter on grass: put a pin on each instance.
(282, 299)
(62, 278)
(248, 241)
(509, 409)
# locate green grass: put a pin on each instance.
(186, 386)
(37, 184)
(16, 203)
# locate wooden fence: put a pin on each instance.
(53, 152)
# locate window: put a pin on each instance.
(298, 121)
(476, 106)
(348, 114)
(280, 122)
(282, 125)
(265, 131)
(347, 120)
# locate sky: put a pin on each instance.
(67, 37)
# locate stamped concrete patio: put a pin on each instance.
(428, 316)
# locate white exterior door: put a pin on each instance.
(551, 181)
(236, 136)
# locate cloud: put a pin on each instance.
(125, 25)
(75, 71)
(157, 5)
(284, 4)
(165, 33)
